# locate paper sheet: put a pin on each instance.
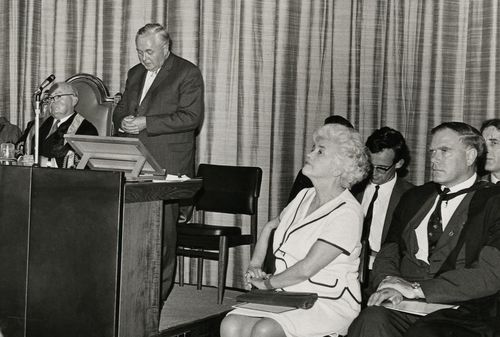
(418, 307)
(171, 178)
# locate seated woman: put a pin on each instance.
(316, 245)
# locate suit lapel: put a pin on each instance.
(45, 128)
(396, 194)
(410, 237)
(142, 78)
(162, 74)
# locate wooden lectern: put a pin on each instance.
(80, 252)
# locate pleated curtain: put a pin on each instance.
(273, 71)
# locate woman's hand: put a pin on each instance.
(259, 282)
(254, 272)
(273, 224)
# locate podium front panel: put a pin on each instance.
(73, 253)
(80, 252)
(14, 228)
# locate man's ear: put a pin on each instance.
(75, 100)
(470, 155)
(399, 164)
(166, 49)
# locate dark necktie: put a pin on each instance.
(435, 224)
(365, 246)
(53, 129)
(369, 215)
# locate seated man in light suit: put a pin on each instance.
(491, 133)
(443, 246)
(62, 99)
(380, 194)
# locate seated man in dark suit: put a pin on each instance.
(9, 133)
(301, 181)
(62, 99)
(443, 246)
(379, 195)
(491, 133)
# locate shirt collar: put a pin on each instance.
(153, 73)
(494, 179)
(62, 120)
(465, 184)
(387, 185)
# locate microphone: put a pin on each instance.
(45, 83)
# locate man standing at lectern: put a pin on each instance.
(162, 105)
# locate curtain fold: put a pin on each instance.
(273, 70)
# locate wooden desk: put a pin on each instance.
(80, 252)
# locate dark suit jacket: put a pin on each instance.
(400, 187)
(464, 267)
(53, 146)
(9, 133)
(173, 108)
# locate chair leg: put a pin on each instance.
(181, 271)
(199, 273)
(223, 253)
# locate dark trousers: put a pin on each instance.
(169, 244)
(378, 321)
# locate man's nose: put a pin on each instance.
(434, 157)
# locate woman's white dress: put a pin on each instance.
(339, 223)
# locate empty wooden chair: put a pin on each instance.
(226, 189)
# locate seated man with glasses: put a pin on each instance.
(61, 101)
(380, 193)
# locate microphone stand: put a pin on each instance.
(38, 95)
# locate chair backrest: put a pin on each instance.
(94, 102)
(229, 189)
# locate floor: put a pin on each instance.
(189, 312)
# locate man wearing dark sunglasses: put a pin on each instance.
(380, 194)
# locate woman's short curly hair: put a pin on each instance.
(351, 156)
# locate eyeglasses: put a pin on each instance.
(382, 169)
(55, 98)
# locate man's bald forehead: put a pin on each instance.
(63, 87)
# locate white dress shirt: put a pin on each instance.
(150, 77)
(447, 210)
(379, 210)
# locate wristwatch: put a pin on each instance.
(417, 289)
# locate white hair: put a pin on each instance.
(351, 155)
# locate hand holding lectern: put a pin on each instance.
(115, 154)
